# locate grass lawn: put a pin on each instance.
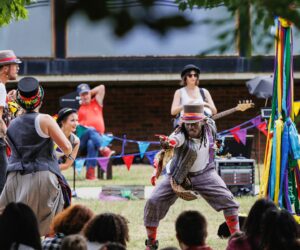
(133, 209)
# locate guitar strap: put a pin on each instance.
(202, 94)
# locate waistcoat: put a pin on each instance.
(30, 152)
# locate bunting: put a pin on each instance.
(143, 146)
(103, 162)
(128, 159)
(78, 164)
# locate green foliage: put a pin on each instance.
(262, 16)
(12, 10)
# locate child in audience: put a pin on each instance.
(106, 227)
(19, 227)
(279, 231)
(74, 242)
(69, 221)
(191, 231)
(249, 239)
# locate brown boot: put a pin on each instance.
(90, 173)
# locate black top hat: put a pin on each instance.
(28, 86)
(29, 93)
(188, 68)
(63, 113)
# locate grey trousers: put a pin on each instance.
(3, 164)
(209, 185)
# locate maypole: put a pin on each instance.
(281, 174)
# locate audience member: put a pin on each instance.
(90, 115)
(8, 71)
(33, 175)
(19, 226)
(74, 242)
(249, 239)
(279, 231)
(191, 231)
(68, 120)
(106, 227)
(70, 221)
(113, 246)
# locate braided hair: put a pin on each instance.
(207, 126)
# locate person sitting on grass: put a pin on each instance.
(279, 231)
(68, 222)
(249, 238)
(106, 227)
(74, 242)
(191, 231)
(19, 228)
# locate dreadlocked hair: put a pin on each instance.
(107, 227)
(208, 126)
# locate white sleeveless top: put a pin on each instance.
(186, 99)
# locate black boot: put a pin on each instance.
(151, 245)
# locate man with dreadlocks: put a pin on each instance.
(190, 173)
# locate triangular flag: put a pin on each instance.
(262, 128)
(256, 121)
(80, 130)
(143, 146)
(105, 140)
(150, 156)
(128, 159)
(233, 132)
(242, 135)
(78, 164)
(103, 162)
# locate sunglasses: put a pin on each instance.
(193, 75)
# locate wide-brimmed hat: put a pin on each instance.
(29, 93)
(188, 68)
(83, 88)
(193, 113)
(8, 57)
(63, 113)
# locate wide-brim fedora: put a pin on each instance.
(8, 57)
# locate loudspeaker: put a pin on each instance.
(238, 174)
(70, 100)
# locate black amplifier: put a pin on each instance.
(238, 174)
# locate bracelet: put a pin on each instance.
(70, 157)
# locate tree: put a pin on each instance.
(12, 10)
(249, 15)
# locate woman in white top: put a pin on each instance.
(190, 93)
